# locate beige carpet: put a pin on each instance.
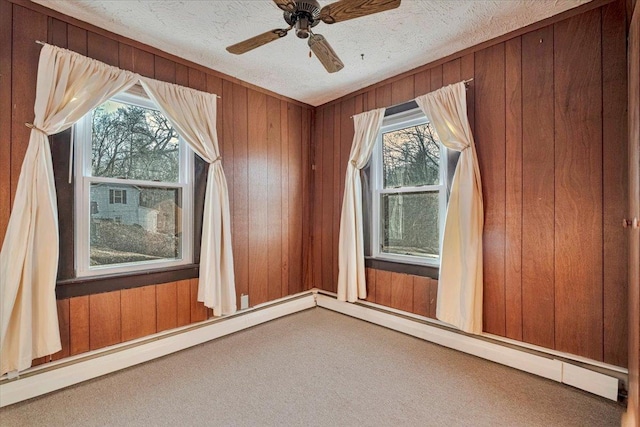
(317, 368)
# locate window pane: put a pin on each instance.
(132, 142)
(134, 224)
(410, 224)
(411, 157)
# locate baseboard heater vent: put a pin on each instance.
(545, 365)
(66, 372)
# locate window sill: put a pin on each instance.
(402, 267)
(113, 282)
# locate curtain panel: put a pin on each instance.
(351, 272)
(70, 85)
(460, 283)
(193, 114)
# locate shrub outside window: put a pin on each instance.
(133, 189)
(409, 190)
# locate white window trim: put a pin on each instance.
(397, 121)
(82, 186)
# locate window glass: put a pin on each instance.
(411, 157)
(410, 224)
(145, 229)
(132, 142)
(133, 192)
(409, 192)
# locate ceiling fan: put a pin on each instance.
(305, 14)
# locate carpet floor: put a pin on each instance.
(317, 368)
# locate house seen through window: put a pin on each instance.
(409, 191)
(133, 189)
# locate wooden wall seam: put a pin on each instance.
(547, 112)
(253, 150)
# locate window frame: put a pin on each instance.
(390, 123)
(82, 134)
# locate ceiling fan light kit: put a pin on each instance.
(306, 14)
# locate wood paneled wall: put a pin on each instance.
(406, 292)
(264, 139)
(548, 112)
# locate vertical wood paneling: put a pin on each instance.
(538, 193)
(383, 287)
(102, 48)
(436, 78)
(63, 323)
(295, 199)
(490, 142)
(327, 197)
(104, 320)
(585, 167)
(633, 407)
(138, 311)
(421, 295)
(318, 203)
(198, 310)
(467, 72)
(578, 185)
(451, 72)
(78, 325)
(165, 69)
(125, 56)
(182, 75)
(183, 289)
(77, 39)
(402, 291)
(144, 63)
(274, 206)
(57, 32)
(241, 190)
(307, 196)
(513, 112)
(27, 27)
(284, 150)
(166, 306)
(371, 284)
(6, 27)
(433, 297)
(371, 100)
(383, 96)
(422, 83)
(338, 190)
(402, 90)
(614, 182)
(513, 197)
(258, 186)
(197, 79)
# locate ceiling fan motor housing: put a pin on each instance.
(304, 17)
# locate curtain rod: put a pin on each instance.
(43, 43)
(466, 82)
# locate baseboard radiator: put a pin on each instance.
(597, 378)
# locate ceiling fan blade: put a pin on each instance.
(349, 9)
(325, 53)
(286, 5)
(257, 41)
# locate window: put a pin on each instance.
(408, 182)
(133, 190)
(117, 196)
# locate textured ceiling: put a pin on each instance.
(418, 32)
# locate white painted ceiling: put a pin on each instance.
(418, 32)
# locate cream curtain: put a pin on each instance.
(351, 272)
(193, 114)
(68, 86)
(460, 283)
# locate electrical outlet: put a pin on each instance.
(244, 302)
